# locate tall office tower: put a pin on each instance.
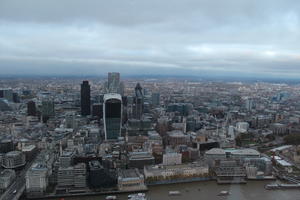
(113, 84)
(85, 98)
(112, 111)
(113, 78)
(249, 104)
(47, 110)
(31, 108)
(155, 99)
(138, 107)
(16, 98)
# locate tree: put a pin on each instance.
(293, 139)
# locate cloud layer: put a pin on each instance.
(150, 37)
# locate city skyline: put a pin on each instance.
(131, 138)
(245, 38)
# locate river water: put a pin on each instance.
(253, 190)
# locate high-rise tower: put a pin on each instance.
(31, 108)
(138, 108)
(113, 84)
(85, 98)
(112, 115)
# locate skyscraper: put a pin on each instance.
(113, 78)
(31, 108)
(155, 99)
(138, 102)
(85, 98)
(47, 109)
(112, 111)
(113, 84)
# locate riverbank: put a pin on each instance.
(208, 190)
(152, 184)
(51, 196)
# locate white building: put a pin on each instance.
(37, 179)
(158, 172)
(242, 127)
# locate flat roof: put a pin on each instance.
(245, 152)
(281, 148)
(284, 163)
(129, 173)
(215, 151)
(28, 148)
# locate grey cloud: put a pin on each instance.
(140, 36)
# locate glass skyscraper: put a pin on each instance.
(112, 110)
(85, 98)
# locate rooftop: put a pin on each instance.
(129, 173)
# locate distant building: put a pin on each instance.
(4, 105)
(16, 98)
(31, 108)
(249, 104)
(155, 99)
(47, 110)
(113, 84)
(97, 110)
(112, 110)
(242, 127)
(85, 98)
(138, 107)
(7, 94)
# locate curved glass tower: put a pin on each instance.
(112, 110)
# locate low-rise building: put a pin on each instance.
(130, 180)
(140, 159)
(72, 176)
(37, 179)
(172, 158)
(157, 173)
(13, 160)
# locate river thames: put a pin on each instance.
(253, 190)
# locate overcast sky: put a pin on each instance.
(181, 37)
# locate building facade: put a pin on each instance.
(85, 98)
(112, 110)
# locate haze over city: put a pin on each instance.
(170, 37)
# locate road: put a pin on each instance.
(18, 185)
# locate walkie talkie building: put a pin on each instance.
(112, 110)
